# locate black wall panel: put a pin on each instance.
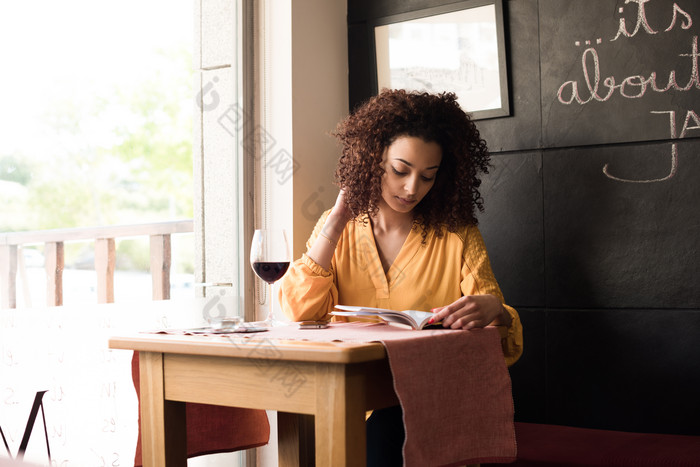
(529, 374)
(592, 217)
(359, 75)
(606, 70)
(363, 10)
(613, 244)
(631, 370)
(523, 130)
(512, 226)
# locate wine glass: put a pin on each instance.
(269, 257)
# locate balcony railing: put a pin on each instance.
(105, 257)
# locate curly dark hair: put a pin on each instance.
(372, 127)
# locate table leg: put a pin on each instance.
(340, 416)
(163, 430)
(295, 433)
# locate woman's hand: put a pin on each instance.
(339, 215)
(472, 311)
(323, 248)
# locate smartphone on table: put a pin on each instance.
(313, 324)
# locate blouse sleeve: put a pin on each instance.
(307, 291)
(478, 278)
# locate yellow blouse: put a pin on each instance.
(423, 276)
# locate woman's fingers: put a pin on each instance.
(467, 312)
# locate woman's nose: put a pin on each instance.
(411, 186)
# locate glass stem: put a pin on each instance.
(270, 312)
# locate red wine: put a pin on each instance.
(270, 272)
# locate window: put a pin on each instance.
(97, 126)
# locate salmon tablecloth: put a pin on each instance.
(453, 386)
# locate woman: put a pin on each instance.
(402, 233)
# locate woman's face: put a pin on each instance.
(410, 166)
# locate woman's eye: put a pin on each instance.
(401, 174)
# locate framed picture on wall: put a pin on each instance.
(458, 48)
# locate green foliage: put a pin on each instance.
(123, 156)
(120, 154)
(14, 169)
(133, 254)
(62, 202)
(183, 254)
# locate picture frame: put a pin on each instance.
(457, 48)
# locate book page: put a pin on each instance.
(415, 318)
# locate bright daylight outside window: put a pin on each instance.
(96, 112)
(96, 122)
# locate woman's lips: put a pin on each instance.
(405, 201)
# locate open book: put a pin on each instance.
(412, 318)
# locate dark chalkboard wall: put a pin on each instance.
(605, 66)
(592, 208)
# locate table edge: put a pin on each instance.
(329, 352)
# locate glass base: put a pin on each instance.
(271, 321)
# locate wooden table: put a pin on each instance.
(334, 382)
